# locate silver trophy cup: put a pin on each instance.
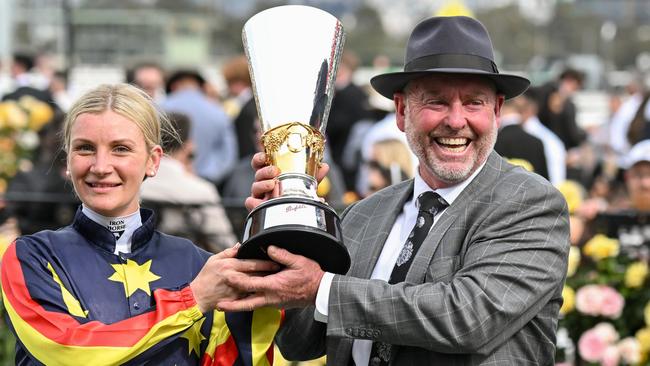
(293, 53)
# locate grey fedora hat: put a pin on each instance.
(449, 45)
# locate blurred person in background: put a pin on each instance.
(111, 289)
(42, 197)
(634, 106)
(215, 143)
(517, 145)
(349, 106)
(150, 77)
(354, 154)
(188, 205)
(554, 149)
(240, 104)
(23, 81)
(59, 89)
(557, 110)
(385, 129)
(637, 176)
(390, 163)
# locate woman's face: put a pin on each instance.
(108, 160)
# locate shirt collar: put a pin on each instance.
(450, 193)
(100, 236)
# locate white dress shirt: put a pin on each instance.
(620, 123)
(554, 150)
(396, 238)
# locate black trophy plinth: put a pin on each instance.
(300, 225)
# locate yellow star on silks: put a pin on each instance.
(134, 276)
(194, 337)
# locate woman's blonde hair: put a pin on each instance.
(391, 152)
(125, 100)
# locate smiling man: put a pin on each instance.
(462, 265)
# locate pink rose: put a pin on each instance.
(606, 332)
(588, 300)
(599, 300)
(611, 356)
(612, 302)
(630, 350)
(591, 346)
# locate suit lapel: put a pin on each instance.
(483, 180)
(387, 208)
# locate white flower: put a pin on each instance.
(28, 140)
(630, 350)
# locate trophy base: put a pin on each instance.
(301, 226)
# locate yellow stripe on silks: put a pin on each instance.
(73, 305)
(52, 353)
(218, 334)
(266, 322)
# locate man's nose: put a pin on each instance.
(456, 119)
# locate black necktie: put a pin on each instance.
(429, 204)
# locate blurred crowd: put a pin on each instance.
(220, 132)
(603, 171)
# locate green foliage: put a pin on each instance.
(7, 340)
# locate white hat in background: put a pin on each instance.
(639, 152)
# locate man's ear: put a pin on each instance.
(497, 108)
(400, 109)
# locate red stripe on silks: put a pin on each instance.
(66, 330)
(269, 354)
(206, 360)
(226, 353)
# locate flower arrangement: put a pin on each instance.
(20, 122)
(606, 309)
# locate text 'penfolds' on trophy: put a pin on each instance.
(293, 53)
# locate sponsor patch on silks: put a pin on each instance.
(117, 227)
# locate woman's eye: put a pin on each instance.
(121, 148)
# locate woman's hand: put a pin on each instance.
(214, 282)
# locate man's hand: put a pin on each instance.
(213, 283)
(265, 185)
(294, 286)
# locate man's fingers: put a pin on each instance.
(322, 171)
(282, 256)
(252, 202)
(258, 161)
(249, 283)
(248, 303)
(256, 265)
(266, 173)
(261, 188)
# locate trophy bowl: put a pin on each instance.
(293, 53)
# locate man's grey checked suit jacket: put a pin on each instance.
(484, 289)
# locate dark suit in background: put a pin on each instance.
(515, 143)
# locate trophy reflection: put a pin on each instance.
(293, 53)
